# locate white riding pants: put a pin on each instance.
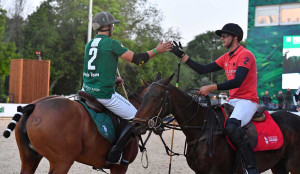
(243, 110)
(120, 106)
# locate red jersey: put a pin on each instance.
(245, 58)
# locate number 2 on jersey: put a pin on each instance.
(93, 52)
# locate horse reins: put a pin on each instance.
(207, 125)
(134, 94)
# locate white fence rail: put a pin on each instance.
(9, 109)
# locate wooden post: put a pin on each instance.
(29, 80)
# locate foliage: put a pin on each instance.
(142, 25)
(7, 52)
(2, 22)
(205, 48)
(58, 29)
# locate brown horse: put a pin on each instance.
(163, 98)
(62, 131)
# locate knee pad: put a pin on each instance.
(231, 125)
(235, 132)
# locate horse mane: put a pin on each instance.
(140, 89)
(186, 94)
(214, 113)
(133, 92)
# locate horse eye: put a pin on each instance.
(155, 98)
(146, 95)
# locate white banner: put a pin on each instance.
(9, 109)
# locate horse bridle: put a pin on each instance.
(165, 101)
(152, 122)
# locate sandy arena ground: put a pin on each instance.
(158, 159)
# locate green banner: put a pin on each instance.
(2, 109)
(266, 43)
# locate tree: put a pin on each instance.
(15, 23)
(58, 29)
(7, 52)
(205, 48)
(40, 34)
(145, 32)
(139, 30)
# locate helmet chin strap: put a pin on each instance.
(109, 30)
(231, 42)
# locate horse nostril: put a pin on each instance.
(138, 128)
(136, 125)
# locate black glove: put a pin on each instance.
(177, 50)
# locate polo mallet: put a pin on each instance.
(122, 85)
(172, 139)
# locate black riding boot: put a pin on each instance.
(247, 154)
(115, 154)
(237, 136)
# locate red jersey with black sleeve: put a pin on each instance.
(245, 58)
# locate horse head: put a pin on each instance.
(155, 106)
(135, 96)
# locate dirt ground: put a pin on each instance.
(158, 159)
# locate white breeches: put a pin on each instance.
(120, 106)
(243, 110)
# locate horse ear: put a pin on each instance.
(167, 80)
(144, 83)
(157, 77)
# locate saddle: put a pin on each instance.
(259, 115)
(95, 105)
(91, 101)
(250, 129)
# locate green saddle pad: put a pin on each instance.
(103, 122)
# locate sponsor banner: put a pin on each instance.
(9, 109)
(291, 62)
(297, 113)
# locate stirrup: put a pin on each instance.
(121, 161)
(251, 171)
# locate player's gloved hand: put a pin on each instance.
(177, 50)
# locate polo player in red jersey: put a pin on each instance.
(240, 68)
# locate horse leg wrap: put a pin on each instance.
(115, 153)
(237, 136)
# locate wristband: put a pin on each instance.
(156, 53)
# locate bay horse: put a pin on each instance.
(62, 131)
(163, 98)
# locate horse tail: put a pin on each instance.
(26, 110)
